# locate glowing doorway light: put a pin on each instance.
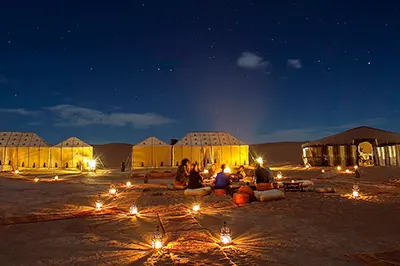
(92, 165)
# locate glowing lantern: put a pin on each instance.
(356, 192)
(323, 171)
(347, 171)
(128, 183)
(16, 172)
(356, 167)
(157, 240)
(196, 207)
(225, 235)
(259, 160)
(133, 210)
(92, 165)
(112, 191)
(227, 170)
(36, 179)
(339, 168)
(205, 171)
(279, 175)
(99, 203)
(292, 181)
(307, 166)
(56, 178)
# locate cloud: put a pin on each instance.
(3, 79)
(70, 115)
(312, 133)
(294, 63)
(20, 111)
(251, 61)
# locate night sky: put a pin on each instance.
(121, 71)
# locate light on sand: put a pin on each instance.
(92, 165)
(36, 179)
(56, 178)
(356, 192)
(99, 203)
(225, 235)
(259, 160)
(196, 207)
(112, 191)
(133, 210)
(157, 240)
(279, 175)
(323, 171)
(227, 170)
(128, 184)
(339, 168)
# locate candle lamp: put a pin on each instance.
(157, 239)
(225, 235)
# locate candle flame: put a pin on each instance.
(196, 208)
(128, 184)
(36, 179)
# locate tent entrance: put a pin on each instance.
(365, 153)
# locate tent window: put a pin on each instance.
(2, 138)
(244, 163)
(205, 142)
(159, 143)
(9, 162)
(66, 165)
(162, 164)
(195, 143)
(56, 165)
(0, 162)
(33, 165)
(26, 139)
(142, 164)
(23, 144)
(77, 143)
(144, 143)
(23, 164)
(4, 134)
(14, 139)
(44, 165)
(66, 143)
(34, 144)
(195, 135)
(37, 139)
(12, 143)
(26, 135)
(0, 143)
(177, 163)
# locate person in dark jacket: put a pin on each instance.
(222, 180)
(263, 175)
(195, 179)
(182, 174)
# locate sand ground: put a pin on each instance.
(54, 223)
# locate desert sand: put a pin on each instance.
(54, 222)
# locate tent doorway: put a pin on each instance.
(365, 152)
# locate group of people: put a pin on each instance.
(190, 176)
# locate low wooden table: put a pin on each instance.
(293, 186)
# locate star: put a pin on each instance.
(369, 63)
(91, 68)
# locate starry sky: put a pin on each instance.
(121, 71)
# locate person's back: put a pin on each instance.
(222, 180)
(195, 179)
(181, 173)
(263, 175)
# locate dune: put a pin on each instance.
(112, 154)
(278, 153)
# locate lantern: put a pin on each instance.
(323, 171)
(356, 167)
(196, 207)
(128, 183)
(307, 166)
(16, 172)
(356, 192)
(225, 235)
(259, 160)
(205, 171)
(56, 178)
(133, 210)
(92, 165)
(36, 179)
(157, 240)
(279, 175)
(347, 171)
(112, 191)
(292, 181)
(227, 170)
(339, 168)
(99, 203)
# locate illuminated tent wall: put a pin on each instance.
(211, 147)
(71, 153)
(343, 148)
(23, 150)
(151, 152)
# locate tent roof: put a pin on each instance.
(72, 142)
(356, 135)
(209, 139)
(21, 139)
(152, 141)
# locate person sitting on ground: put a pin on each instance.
(195, 179)
(213, 171)
(241, 174)
(222, 180)
(182, 173)
(263, 174)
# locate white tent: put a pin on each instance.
(71, 153)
